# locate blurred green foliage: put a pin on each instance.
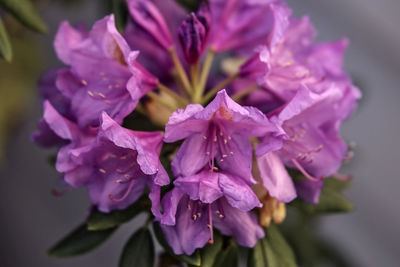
(17, 84)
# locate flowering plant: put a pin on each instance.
(216, 123)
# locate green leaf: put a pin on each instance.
(79, 241)
(102, 221)
(331, 200)
(193, 259)
(283, 253)
(272, 251)
(139, 250)
(261, 255)
(5, 46)
(25, 12)
(228, 257)
(209, 253)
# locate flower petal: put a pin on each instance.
(191, 156)
(240, 224)
(203, 186)
(275, 178)
(237, 193)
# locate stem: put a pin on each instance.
(219, 87)
(239, 95)
(204, 74)
(194, 74)
(168, 91)
(161, 100)
(180, 70)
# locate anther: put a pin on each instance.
(102, 170)
(90, 93)
(84, 82)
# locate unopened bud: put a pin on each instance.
(192, 35)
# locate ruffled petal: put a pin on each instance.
(238, 193)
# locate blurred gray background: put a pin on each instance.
(31, 219)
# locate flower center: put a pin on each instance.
(122, 167)
(218, 143)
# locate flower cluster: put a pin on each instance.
(271, 100)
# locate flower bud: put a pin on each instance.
(192, 35)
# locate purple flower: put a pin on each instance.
(312, 143)
(216, 134)
(103, 74)
(188, 224)
(244, 24)
(282, 68)
(121, 164)
(146, 15)
(115, 164)
(144, 39)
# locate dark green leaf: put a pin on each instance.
(283, 253)
(79, 241)
(102, 221)
(336, 184)
(138, 251)
(209, 253)
(228, 257)
(331, 200)
(26, 13)
(119, 8)
(5, 46)
(272, 251)
(193, 259)
(190, 5)
(261, 255)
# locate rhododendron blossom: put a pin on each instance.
(222, 116)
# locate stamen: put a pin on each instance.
(101, 95)
(90, 93)
(84, 82)
(125, 195)
(305, 173)
(211, 241)
(319, 148)
(102, 170)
